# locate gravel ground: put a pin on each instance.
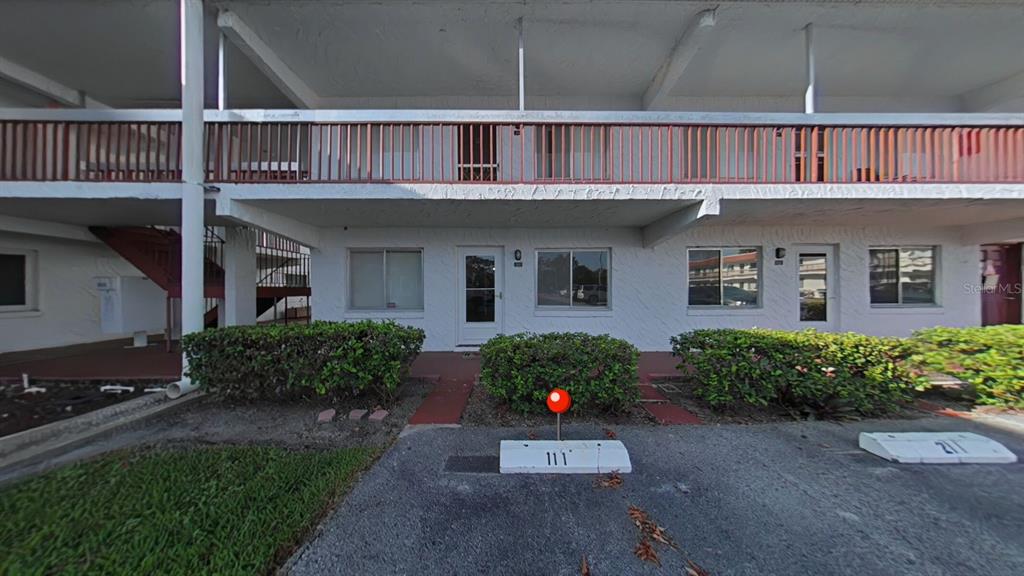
(211, 420)
(786, 499)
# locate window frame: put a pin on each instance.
(721, 285)
(538, 307)
(384, 274)
(936, 268)
(31, 281)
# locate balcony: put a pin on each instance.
(359, 147)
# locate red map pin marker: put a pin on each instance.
(559, 401)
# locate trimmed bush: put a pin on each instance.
(340, 358)
(991, 359)
(599, 372)
(820, 373)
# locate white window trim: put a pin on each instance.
(935, 304)
(552, 310)
(393, 312)
(716, 309)
(31, 305)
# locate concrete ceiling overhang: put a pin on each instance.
(473, 213)
(903, 213)
(103, 211)
(594, 54)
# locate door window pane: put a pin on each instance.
(405, 280)
(590, 278)
(479, 271)
(12, 280)
(554, 278)
(813, 288)
(480, 288)
(480, 305)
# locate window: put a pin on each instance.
(573, 278)
(385, 280)
(17, 280)
(904, 275)
(724, 276)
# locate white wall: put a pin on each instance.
(68, 303)
(648, 293)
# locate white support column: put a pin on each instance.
(192, 226)
(240, 277)
(810, 95)
(522, 69)
(222, 72)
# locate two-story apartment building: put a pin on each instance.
(475, 168)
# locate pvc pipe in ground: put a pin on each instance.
(180, 388)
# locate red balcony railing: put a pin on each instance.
(90, 151)
(512, 152)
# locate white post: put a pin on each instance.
(522, 70)
(810, 95)
(240, 277)
(192, 226)
(222, 72)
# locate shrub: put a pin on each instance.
(599, 372)
(821, 373)
(991, 359)
(327, 357)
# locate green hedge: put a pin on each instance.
(327, 357)
(991, 359)
(599, 372)
(821, 373)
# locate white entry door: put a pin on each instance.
(817, 288)
(480, 297)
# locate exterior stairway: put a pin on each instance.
(156, 252)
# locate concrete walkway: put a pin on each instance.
(774, 499)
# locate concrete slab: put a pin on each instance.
(563, 457)
(936, 448)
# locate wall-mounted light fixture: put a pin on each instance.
(780, 253)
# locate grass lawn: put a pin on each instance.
(222, 510)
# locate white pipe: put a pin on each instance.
(180, 388)
(522, 70)
(810, 95)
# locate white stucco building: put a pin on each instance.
(474, 168)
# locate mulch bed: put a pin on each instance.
(484, 410)
(21, 411)
(287, 423)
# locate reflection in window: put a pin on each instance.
(386, 280)
(813, 287)
(480, 288)
(902, 275)
(573, 278)
(13, 280)
(724, 276)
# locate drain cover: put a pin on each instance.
(471, 464)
